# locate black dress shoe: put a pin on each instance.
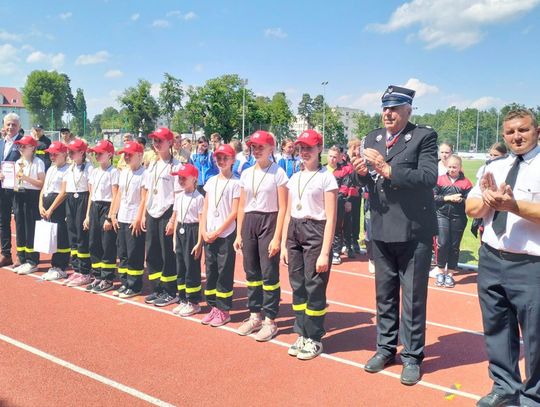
(410, 375)
(378, 362)
(498, 400)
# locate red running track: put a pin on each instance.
(61, 346)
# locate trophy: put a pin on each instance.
(19, 185)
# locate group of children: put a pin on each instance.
(160, 219)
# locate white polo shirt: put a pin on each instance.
(54, 178)
(306, 193)
(521, 235)
(77, 179)
(31, 170)
(161, 186)
(188, 207)
(221, 193)
(102, 182)
(260, 187)
(129, 186)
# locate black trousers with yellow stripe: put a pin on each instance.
(220, 261)
(304, 244)
(160, 259)
(59, 259)
(26, 211)
(102, 243)
(262, 272)
(131, 257)
(188, 269)
(78, 237)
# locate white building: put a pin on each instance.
(11, 102)
(347, 118)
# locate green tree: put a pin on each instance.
(44, 95)
(110, 119)
(96, 125)
(194, 111)
(327, 121)
(78, 124)
(142, 110)
(281, 116)
(305, 109)
(170, 97)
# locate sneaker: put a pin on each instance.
(103, 287)
(177, 309)
(336, 259)
(440, 280)
(54, 273)
(150, 299)
(165, 299)
(190, 309)
(82, 279)
(294, 349)
(120, 290)
(435, 271)
(250, 325)
(344, 250)
(92, 285)
(371, 267)
(220, 318)
(356, 247)
(128, 293)
(209, 317)
(71, 277)
(449, 281)
(26, 268)
(16, 269)
(267, 332)
(311, 350)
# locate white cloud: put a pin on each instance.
(96, 105)
(369, 102)
(487, 102)
(174, 13)
(160, 23)
(114, 73)
(420, 87)
(276, 32)
(7, 36)
(56, 61)
(455, 23)
(190, 16)
(8, 59)
(154, 90)
(65, 16)
(198, 68)
(135, 17)
(89, 59)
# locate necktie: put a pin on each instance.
(499, 218)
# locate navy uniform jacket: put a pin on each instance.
(402, 208)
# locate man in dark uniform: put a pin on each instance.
(399, 166)
(507, 198)
(43, 143)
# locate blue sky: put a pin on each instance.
(469, 53)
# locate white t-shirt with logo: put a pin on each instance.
(54, 178)
(311, 186)
(31, 170)
(77, 179)
(221, 193)
(129, 186)
(102, 182)
(265, 183)
(188, 206)
(161, 186)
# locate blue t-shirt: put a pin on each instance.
(205, 165)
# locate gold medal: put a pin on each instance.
(155, 191)
(299, 206)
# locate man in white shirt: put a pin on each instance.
(507, 197)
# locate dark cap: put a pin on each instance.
(64, 129)
(38, 126)
(397, 96)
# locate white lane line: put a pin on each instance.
(337, 359)
(94, 376)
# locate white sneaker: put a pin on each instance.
(176, 310)
(190, 309)
(371, 267)
(26, 268)
(434, 272)
(294, 349)
(54, 273)
(16, 269)
(311, 350)
(249, 326)
(267, 332)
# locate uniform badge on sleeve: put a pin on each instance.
(408, 137)
(379, 138)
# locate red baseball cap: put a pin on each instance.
(57, 147)
(131, 147)
(163, 133)
(261, 137)
(103, 146)
(187, 170)
(26, 141)
(77, 145)
(309, 137)
(225, 149)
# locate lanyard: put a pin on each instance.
(222, 191)
(99, 181)
(156, 175)
(128, 183)
(73, 174)
(187, 209)
(256, 191)
(301, 192)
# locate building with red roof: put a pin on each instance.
(11, 101)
